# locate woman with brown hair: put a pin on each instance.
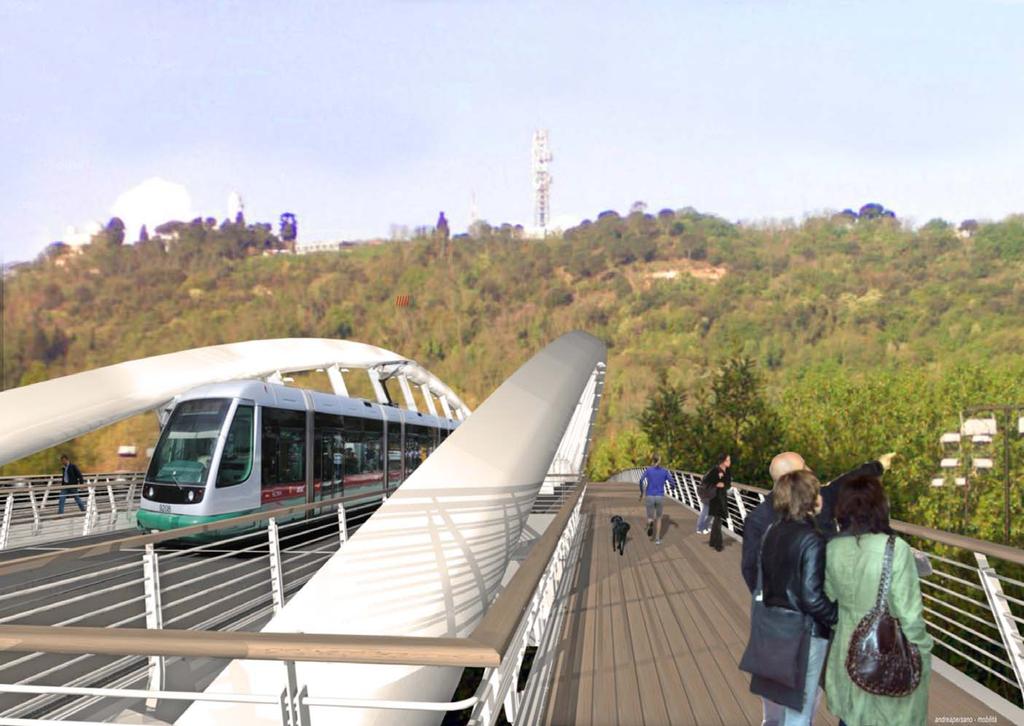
(852, 577)
(793, 577)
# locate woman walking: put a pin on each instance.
(721, 471)
(718, 503)
(793, 577)
(854, 571)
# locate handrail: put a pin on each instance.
(485, 647)
(991, 549)
(499, 623)
(323, 647)
(7, 478)
(141, 540)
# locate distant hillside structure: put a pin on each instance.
(442, 227)
(236, 208)
(78, 237)
(289, 230)
(541, 179)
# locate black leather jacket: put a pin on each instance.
(794, 573)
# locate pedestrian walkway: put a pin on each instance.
(654, 637)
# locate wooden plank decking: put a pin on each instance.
(654, 637)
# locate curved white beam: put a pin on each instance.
(430, 560)
(45, 414)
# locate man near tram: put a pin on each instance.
(71, 477)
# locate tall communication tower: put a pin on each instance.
(541, 179)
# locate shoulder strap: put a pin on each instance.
(760, 557)
(886, 579)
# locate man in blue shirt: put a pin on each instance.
(652, 491)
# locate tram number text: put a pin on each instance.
(165, 509)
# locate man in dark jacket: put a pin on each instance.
(720, 472)
(763, 514)
(71, 477)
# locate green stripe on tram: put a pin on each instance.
(147, 519)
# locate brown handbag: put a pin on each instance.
(881, 660)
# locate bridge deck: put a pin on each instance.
(654, 637)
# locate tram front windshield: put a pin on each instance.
(188, 441)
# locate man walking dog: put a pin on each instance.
(652, 491)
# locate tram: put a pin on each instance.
(236, 448)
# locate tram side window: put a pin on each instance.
(284, 446)
(418, 444)
(352, 458)
(236, 461)
(394, 450)
(372, 460)
(328, 449)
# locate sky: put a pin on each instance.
(359, 115)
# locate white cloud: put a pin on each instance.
(151, 203)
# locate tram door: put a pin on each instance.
(328, 456)
(395, 470)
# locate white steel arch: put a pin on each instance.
(45, 414)
(430, 560)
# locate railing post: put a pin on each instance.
(90, 512)
(694, 492)
(342, 523)
(130, 496)
(46, 492)
(294, 712)
(5, 527)
(35, 508)
(154, 617)
(113, 503)
(512, 699)
(1008, 629)
(740, 505)
(276, 574)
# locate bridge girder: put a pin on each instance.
(45, 414)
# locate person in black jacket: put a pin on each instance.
(718, 504)
(793, 577)
(71, 477)
(720, 472)
(762, 515)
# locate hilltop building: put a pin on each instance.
(77, 237)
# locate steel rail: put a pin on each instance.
(141, 540)
(483, 648)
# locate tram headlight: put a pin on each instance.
(149, 493)
(191, 495)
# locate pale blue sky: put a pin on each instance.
(358, 115)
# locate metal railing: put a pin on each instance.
(529, 612)
(30, 514)
(226, 584)
(972, 611)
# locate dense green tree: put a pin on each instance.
(666, 424)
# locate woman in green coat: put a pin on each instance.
(853, 571)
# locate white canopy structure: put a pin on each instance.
(430, 560)
(45, 414)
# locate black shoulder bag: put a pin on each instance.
(779, 638)
(881, 660)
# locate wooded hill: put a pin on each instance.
(862, 335)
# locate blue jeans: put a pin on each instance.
(63, 495)
(773, 713)
(704, 516)
(815, 663)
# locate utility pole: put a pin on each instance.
(541, 179)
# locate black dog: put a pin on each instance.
(620, 528)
